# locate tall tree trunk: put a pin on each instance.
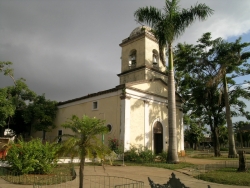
(172, 147)
(216, 142)
(232, 151)
(241, 140)
(195, 146)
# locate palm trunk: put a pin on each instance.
(172, 147)
(81, 170)
(232, 151)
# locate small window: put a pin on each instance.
(109, 127)
(155, 59)
(132, 59)
(59, 139)
(95, 105)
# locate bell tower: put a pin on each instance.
(140, 57)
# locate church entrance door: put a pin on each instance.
(158, 137)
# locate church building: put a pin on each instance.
(135, 111)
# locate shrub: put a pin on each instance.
(224, 149)
(131, 155)
(146, 155)
(163, 156)
(114, 145)
(140, 154)
(32, 157)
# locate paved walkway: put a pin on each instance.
(140, 173)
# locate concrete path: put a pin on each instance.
(139, 173)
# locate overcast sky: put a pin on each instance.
(68, 49)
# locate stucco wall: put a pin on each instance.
(138, 131)
(108, 109)
(137, 122)
(149, 47)
(155, 87)
(133, 76)
(158, 112)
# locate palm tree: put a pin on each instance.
(166, 27)
(230, 56)
(84, 141)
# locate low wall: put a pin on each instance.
(247, 150)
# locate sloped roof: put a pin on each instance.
(119, 87)
(92, 95)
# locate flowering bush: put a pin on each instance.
(114, 145)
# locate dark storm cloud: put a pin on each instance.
(67, 49)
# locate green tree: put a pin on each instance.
(223, 135)
(40, 114)
(232, 58)
(30, 110)
(15, 98)
(84, 140)
(166, 27)
(7, 109)
(198, 65)
(7, 70)
(194, 134)
(242, 130)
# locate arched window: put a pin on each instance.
(109, 127)
(155, 59)
(132, 59)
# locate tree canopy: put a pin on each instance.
(196, 66)
(21, 108)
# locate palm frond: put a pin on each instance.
(149, 15)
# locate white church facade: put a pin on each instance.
(135, 111)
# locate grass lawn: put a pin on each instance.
(153, 164)
(228, 176)
(210, 155)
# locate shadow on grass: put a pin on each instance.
(228, 176)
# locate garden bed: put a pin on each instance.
(59, 174)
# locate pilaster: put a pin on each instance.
(125, 121)
(146, 124)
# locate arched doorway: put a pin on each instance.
(158, 137)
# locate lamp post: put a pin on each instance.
(102, 133)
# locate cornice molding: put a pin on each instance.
(141, 67)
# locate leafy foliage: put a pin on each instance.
(41, 114)
(242, 133)
(162, 156)
(194, 134)
(21, 108)
(140, 154)
(7, 109)
(198, 67)
(223, 136)
(114, 145)
(32, 157)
